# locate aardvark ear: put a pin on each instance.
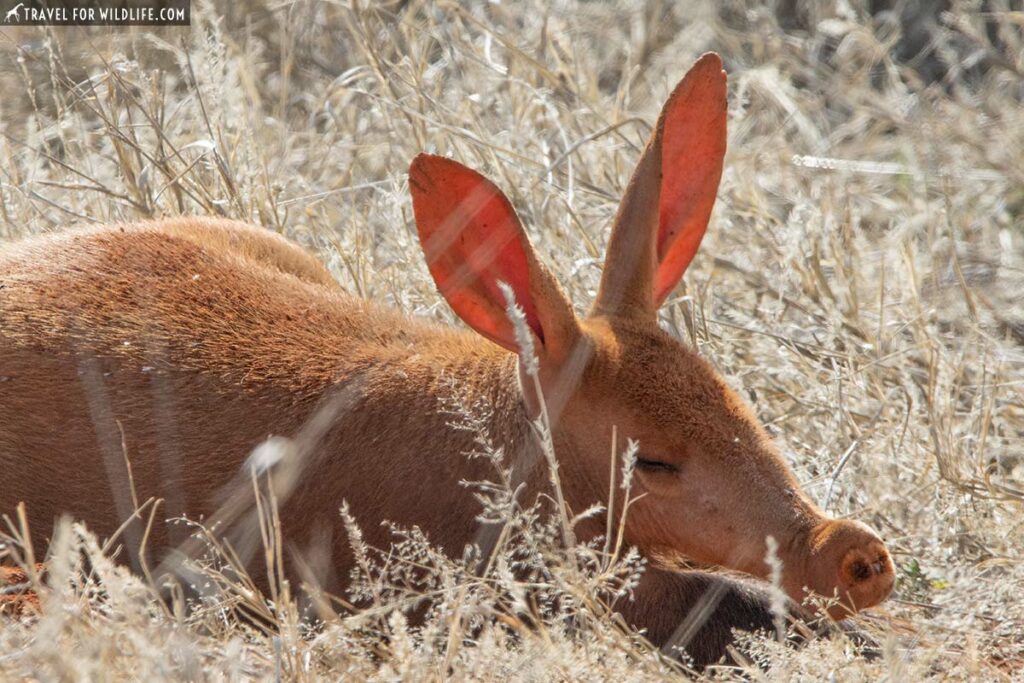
(668, 202)
(472, 239)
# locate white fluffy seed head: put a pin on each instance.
(524, 337)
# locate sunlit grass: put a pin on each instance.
(860, 284)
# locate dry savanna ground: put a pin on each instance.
(860, 283)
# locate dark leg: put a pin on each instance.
(696, 612)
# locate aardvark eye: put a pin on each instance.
(655, 466)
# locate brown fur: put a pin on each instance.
(225, 350)
(16, 599)
(186, 343)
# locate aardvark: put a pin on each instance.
(185, 343)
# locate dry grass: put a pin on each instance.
(860, 282)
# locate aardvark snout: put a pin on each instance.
(848, 560)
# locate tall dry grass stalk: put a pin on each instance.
(860, 283)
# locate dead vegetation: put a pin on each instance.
(860, 283)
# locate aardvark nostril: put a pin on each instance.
(861, 571)
(865, 567)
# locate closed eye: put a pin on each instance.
(655, 466)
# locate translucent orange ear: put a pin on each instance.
(667, 204)
(692, 149)
(473, 240)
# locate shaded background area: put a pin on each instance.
(860, 281)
